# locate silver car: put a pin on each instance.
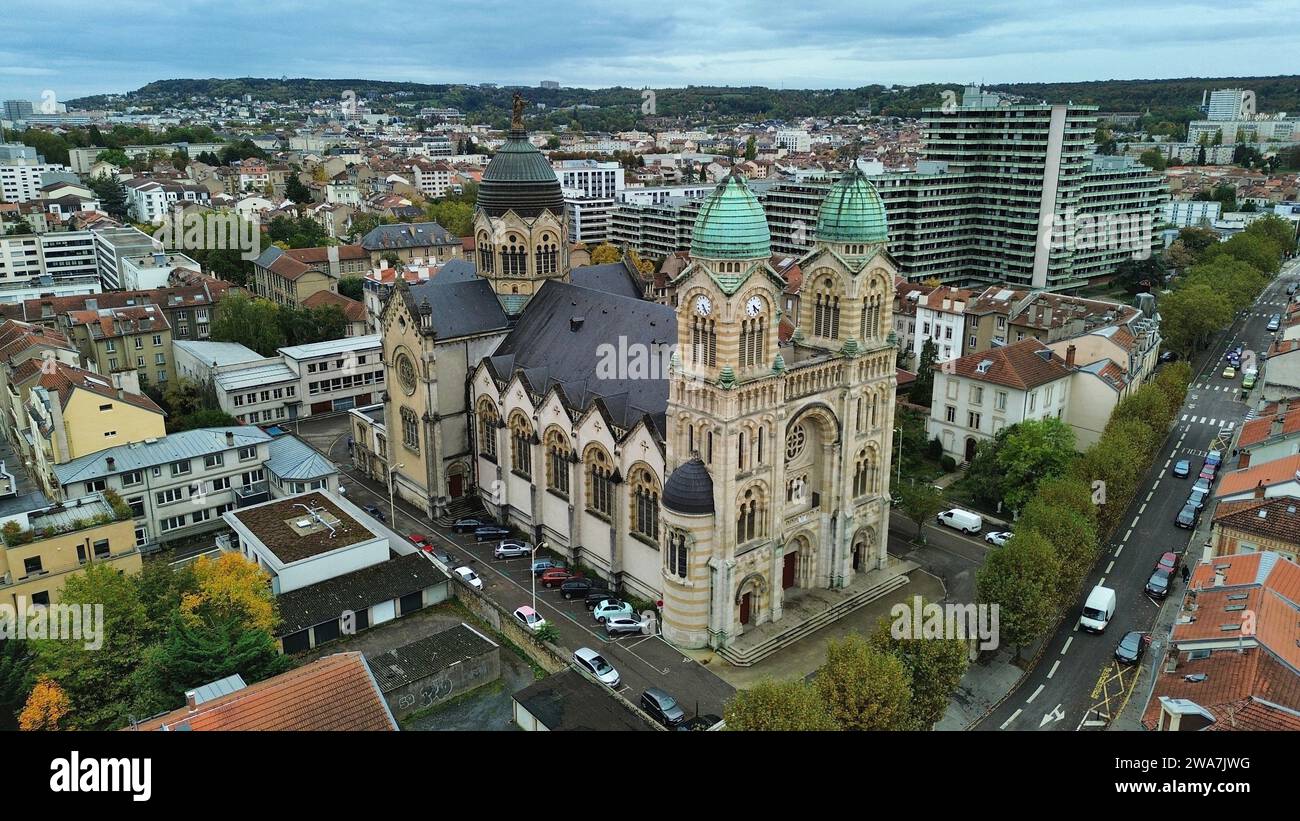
(595, 663)
(511, 549)
(621, 625)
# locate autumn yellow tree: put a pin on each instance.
(232, 587)
(46, 707)
(605, 253)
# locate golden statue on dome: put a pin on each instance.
(517, 120)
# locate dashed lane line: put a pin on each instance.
(1030, 700)
(1066, 648)
(1052, 672)
(1014, 716)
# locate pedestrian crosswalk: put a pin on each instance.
(1206, 386)
(1228, 424)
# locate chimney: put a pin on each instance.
(192, 700)
(230, 437)
(575, 323)
(1219, 578)
(1069, 357)
(111, 462)
(332, 253)
(1259, 489)
(1278, 422)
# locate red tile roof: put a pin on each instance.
(1023, 365)
(353, 310)
(1266, 474)
(1260, 429)
(63, 380)
(337, 692)
(318, 256)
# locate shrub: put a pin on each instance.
(948, 463)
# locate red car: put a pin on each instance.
(556, 576)
(1168, 561)
(420, 540)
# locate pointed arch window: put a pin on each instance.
(487, 429)
(521, 445)
(644, 490)
(826, 310)
(677, 555)
(485, 253)
(600, 484)
(557, 461)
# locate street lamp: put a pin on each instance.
(532, 574)
(898, 459)
(392, 494)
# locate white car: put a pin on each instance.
(529, 618)
(595, 664)
(998, 538)
(471, 578)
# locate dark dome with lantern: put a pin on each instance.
(520, 178)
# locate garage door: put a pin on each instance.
(297, 642)
(326, 631)
(382, 612)
(412, 602)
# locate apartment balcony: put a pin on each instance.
(253, 494)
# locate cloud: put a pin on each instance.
(839, 43)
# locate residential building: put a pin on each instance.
(427, 241)
(290, 277)
(1261, 480)
(154, 270)
(1234, 651)
(593, 179)
(657, 229)
(150, 200)
(978, 395)
(794, 140)
(1257, 525)
(941, 317)
(66, 257)
(591, 218)
(294, 467)
(40, 549)
(1230, 104)
(1191, 213)
(21, 179)
(114, 339)
(1270, 436)
(338, 692)
(24, 349)
(178, 485)
(114, 244)
(190, 309)
(354, 313)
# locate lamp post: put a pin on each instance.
(898, 459)
(532, 574)
(392, 494)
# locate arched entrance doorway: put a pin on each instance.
(863, 549)
(970, 448)
(456, 481)
(749, 597)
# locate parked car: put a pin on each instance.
(1169, 356)
(375, 512)
(620, 625)
(1207, 472)
(1230, 372)
(555, 577)
(596, 595)
(487, 533)
(1275, 322)
(529, 618)
(1214, 457)
(540, 566)
(1196, 499)
(1168, 560)
(1182, 468)
(467, 525)
(438, 553)
(1248, 381)
(1131, 647)
(574, 587)
(997, 538)
(963, 520)
(420, 540)
(611, 608)
(595, 664)
(1291, 289)
(1202, 485)
(511, 549)
(1159, 583)
(662, 707)
(471, 578)
(1187, 516)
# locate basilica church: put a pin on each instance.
(743, 473)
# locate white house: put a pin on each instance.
(941, 316)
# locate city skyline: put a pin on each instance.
(589, 45)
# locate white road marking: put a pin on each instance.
(1101, 582)
(1109, 566)
(1066, 648)
(1150, 493)
(1030, 700)
(1014, 716)
(1126, 535)
(1052, 672)
(1135, 524)
(1143, 509)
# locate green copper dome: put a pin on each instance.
(520, 179)
(852, 211)
(731, 224)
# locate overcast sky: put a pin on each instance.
(79, 47)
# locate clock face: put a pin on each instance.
(703, 306)
(754, 306)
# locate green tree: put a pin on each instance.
(934, 670)
(605, 253)
(1020, 577)
(1258, 251)
(921, 502)
(302, 232)
(250, 321)
(864, 688)
(303, 326)
(296, 191)
(115, 156)
(207, 418)
(1191, 315)
(1032, 451)
(16, 681)
(352, 287)
(1074, 538)
(108, 190)
(195, 654)
(1153, 159)
(923, 387)
(98, 681)
(453, 213)
(1198, 240)
(1069, 493)
(751, 148)
(792, 706)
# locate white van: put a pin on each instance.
(962, 520)
(1098, 610)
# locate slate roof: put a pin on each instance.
(549, 352)
(612, 278)
(355, 591)
(460, 308)
(427, 656)
(1274, 518)
(407, 235)
(337, 692)
(568, 701)
(292, 458)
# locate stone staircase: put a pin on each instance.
(743, 654)
(459, 509)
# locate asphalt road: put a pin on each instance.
(1076, 684)
(642, 661)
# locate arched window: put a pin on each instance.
(870, 322)
(547, 256)
(704, 342)
(866, 473)
(521, 444)
(751, 513)
(643, 490)
(484, 253)
(753, 341)
(514, 258)
(862, 413)
(826, 310)
(600, 485)
(410, 429)
(557, 460)
(487, 429)
(675, 557)
(759, 459)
